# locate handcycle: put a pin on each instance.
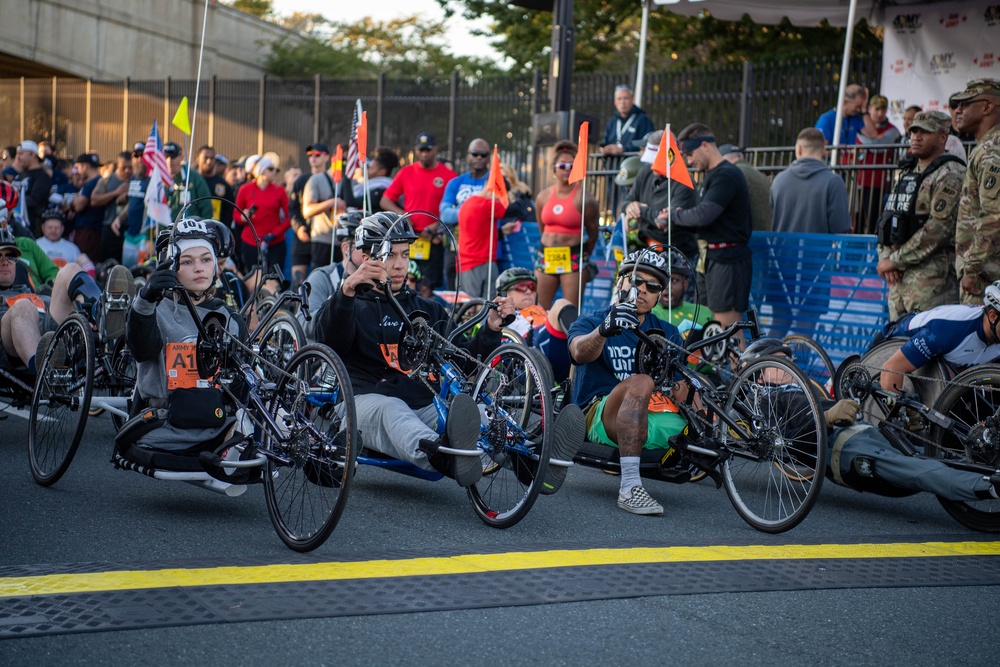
(961, 429)
(761, 435)
(512, 390)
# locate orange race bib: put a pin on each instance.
(659, 402)
(390, 352)
(535, 314)
(35, 300)
(182, 367)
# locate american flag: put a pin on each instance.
(352, 147)
(153, 157)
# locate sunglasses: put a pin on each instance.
(651, 287)
(965, 103)
(478, 154)
(564, 166)
(525, 288)
(315, 153)
(8, 257)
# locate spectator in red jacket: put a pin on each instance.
(267, 205)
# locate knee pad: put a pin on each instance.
(83, 285)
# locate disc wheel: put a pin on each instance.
(309, 468)
(516, 435)
(61, 401)
(279, 341)
(976, 410)
(774, 475)
(813, 360)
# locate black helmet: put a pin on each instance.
(348, 223)
(764, 347)
(646, 261)
(383, 226)
(679, 263)
(514, 275)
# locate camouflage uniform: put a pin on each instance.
(977, 232)
(927, 259)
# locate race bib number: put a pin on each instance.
(182, 367)
(420, 249)
(390, 352)
(558, 261)
(659, 402)
(35, 300)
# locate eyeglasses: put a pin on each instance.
(8, 257)
(651, 287)
(478, 154)
(563, 166)
(965, 103)
(525, 288)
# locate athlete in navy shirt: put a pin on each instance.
(961, 335)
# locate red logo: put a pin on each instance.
(897, 67)
(985, 60)
(952, 20)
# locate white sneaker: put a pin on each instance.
(639, 502)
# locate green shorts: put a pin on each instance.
(662, 426)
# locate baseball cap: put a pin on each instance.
(138, 147)
(652, 146)
(879, 102)
(29, 146)
(171, 149)
(425, 140)
(976, 87)
(250, 163)
(318, 147)
(221, 159)
(88, 158)
(726, 149)
(932, 121)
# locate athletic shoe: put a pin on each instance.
(118, 295)
(639, 502)
(567, 437)
(462, 432)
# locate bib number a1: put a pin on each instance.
(558, 261)
(182, 367)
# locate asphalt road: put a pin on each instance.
(96, 514)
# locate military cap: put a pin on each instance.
(932, 121)
(976, 87)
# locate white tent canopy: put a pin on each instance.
(771, 12)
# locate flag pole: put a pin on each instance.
(583, 231)
(197, 90)
(333, 221)
(493, 228)
(670, 224)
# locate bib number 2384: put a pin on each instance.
(558, 260)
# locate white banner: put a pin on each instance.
(931, 51)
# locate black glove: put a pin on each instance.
(619, 318)
(162, 279)
(268, 239)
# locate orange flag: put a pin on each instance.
(580, 161)
(363, 138)
(669, 163)
(337, 166)
(495, 182)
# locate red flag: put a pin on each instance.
(495, 182)
(351, 165)
(337, 166)
(668, 161)
(363, 138)
(579, 171)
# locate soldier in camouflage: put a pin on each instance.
(917, 235)
(977, 232)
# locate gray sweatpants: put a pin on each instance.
(389, 426)
(480, 282)
(907, 472)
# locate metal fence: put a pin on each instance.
(752, 104)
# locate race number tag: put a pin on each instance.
(35, 300)
(659, 402)
(182, 367)
(558, 261)
(390, 352)
(420, 249)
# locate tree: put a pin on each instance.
(607, 36)
(260, 8)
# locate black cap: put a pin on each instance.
(88, 158)
(425, 140)
(726, 149)
(171, 149)
(138, 147)
(319, 146)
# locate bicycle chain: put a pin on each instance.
(874, 370)
(450, 349)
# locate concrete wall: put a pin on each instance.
(141, 39)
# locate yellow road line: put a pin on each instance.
(51, 584)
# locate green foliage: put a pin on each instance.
(607, 36)
(259, 8)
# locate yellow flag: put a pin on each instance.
(180, 120)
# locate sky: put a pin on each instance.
(462, 43)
